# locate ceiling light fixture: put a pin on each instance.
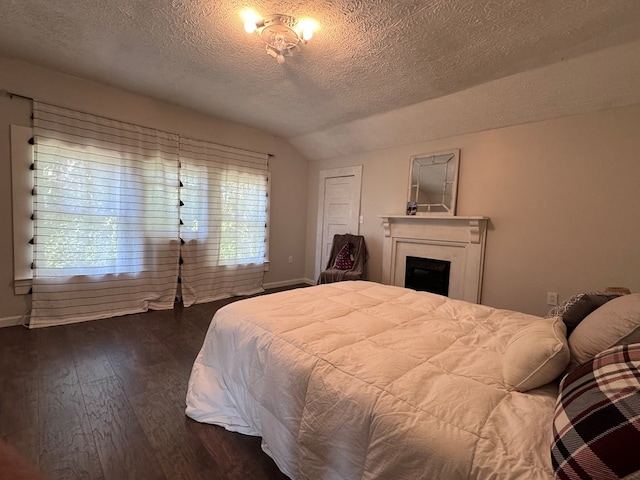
(282, 34)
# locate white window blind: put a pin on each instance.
(106, 210)
(224, 216)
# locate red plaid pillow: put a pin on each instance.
(596, 426)
(344, 259)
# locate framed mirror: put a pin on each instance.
(433, 183)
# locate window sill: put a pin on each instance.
(22, 286)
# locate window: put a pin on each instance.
(225, 217)
(243, 218)
(89, 207)
(229, 214)
(115, 203)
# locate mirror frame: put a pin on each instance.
(452, 166)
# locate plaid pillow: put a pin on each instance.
(596, 426)
(344, 259)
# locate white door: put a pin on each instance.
(338, 209)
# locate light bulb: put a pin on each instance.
(280, 59)
(251, 20)
(307, 33)
(250, 26)
(306, 27)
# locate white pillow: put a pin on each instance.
(617, 322)
(536, 354)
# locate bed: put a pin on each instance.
(358, 380)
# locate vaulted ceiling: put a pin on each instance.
(368, 57)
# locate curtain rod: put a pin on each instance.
(9, 94)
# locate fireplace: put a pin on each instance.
(458, 241)
(427, 275)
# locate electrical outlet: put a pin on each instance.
(290, 258)
(552, 298)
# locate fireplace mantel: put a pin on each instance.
(458, 239)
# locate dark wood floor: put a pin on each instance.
(106, 399)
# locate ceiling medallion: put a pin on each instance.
(281, 34)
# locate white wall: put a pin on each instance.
(288, 167)
(562, 195)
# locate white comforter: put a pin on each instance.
(357, 380)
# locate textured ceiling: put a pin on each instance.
(368, 57)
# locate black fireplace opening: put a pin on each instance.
(427, 275)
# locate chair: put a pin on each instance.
(339, 249)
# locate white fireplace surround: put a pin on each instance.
(459, 240)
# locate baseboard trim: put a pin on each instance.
(12, 321)
(287, 283)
